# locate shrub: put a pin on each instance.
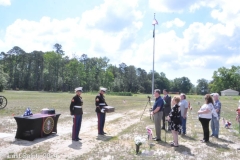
(120, 93)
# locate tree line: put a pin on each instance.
(53, 71)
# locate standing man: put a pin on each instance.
(100, 103)
(184, 108)
(158, 113)
(166, 108)
(76, 113)
(215, 120)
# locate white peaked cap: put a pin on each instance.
(78, 89)
(103, 89)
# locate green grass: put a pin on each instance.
(121, 146)
(18, 101)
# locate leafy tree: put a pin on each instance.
(3, 79)
(58, 49)
(131, 79)
(202, 86)
(142, 79)
(51, 72)
(193, 89)
(182, 84)
(225, 78)
(162, 82)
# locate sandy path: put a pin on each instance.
(62, 147)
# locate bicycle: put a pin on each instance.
(3, 102)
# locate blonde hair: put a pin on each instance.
(176, 99)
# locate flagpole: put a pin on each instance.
(153, 56)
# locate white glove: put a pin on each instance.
(72, 116)
(102, 110)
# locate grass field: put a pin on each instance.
(124, 124)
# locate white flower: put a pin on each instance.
(139, 140)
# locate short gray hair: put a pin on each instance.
(216, 94)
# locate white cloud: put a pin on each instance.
(111, 15)
(42, 35)
(172, 5)
(202, 37)
(202, 46)
(5, 2)
(176, 22)
(224, 11)
(235, 59)
(229, 12)
(106, 30)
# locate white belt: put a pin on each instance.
(101, 104)
(78, 106)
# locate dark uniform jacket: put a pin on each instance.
(76, 101)
(100, 101)
(167, 105)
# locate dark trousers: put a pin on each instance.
(164, 118)
(205, 126)
(77, 120)
(101, 122)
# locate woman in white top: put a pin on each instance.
(205, 115)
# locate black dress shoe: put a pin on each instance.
(158, 139)
(104, 133)
(100, 134)
(75, 139)
(79, 139)
(163, 128)
(204, 141)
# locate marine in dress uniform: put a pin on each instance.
(100, 103)
(76, 112)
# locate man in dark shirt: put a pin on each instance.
(76, 112)
(158, 113)
(100, 103)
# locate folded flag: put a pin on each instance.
(28, 112)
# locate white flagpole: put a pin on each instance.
(153, 56)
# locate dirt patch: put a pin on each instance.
(61, 143)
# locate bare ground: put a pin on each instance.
(60, 145)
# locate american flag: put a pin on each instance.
(154, 22)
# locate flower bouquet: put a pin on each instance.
(138, 142)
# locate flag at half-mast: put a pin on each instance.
(154, 23)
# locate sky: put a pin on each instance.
(193, 37)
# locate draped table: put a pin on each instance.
(35, 126)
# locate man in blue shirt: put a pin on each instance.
(158, 113)
(215, 120)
